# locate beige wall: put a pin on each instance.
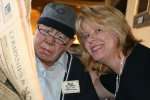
(35, 14)
(141, 33)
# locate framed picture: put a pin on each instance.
(142, 18)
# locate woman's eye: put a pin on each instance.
(86, 36)
(99, 30)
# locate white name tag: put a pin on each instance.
(71, 87)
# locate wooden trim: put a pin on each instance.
(142, 19)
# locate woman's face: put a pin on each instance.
(100, 44)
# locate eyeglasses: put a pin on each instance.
(59, 37)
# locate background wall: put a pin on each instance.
(141, 33)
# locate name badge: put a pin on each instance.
(70, 87)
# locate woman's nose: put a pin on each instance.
(91, 38)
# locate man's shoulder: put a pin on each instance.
(78, 66)
(76, 60)
(75, 57)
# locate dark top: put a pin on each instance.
(77, 72)
(109, 81)
(135, 79)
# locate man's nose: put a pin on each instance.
(50, 40)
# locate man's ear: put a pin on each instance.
(70, 42)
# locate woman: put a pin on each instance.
(102, 77)
(107, 37)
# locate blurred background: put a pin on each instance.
(37, 6)
(137, 13)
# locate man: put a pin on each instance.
(61, 75)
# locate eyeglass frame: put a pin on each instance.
(50, 32)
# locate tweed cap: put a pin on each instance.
(59, 16)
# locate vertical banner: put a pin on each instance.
(17, 59)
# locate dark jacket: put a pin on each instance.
(109, 81)
(77, 72)
(135, 79)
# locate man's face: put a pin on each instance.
(50, 43)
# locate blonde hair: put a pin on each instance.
(90, 64)
(112, 19)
